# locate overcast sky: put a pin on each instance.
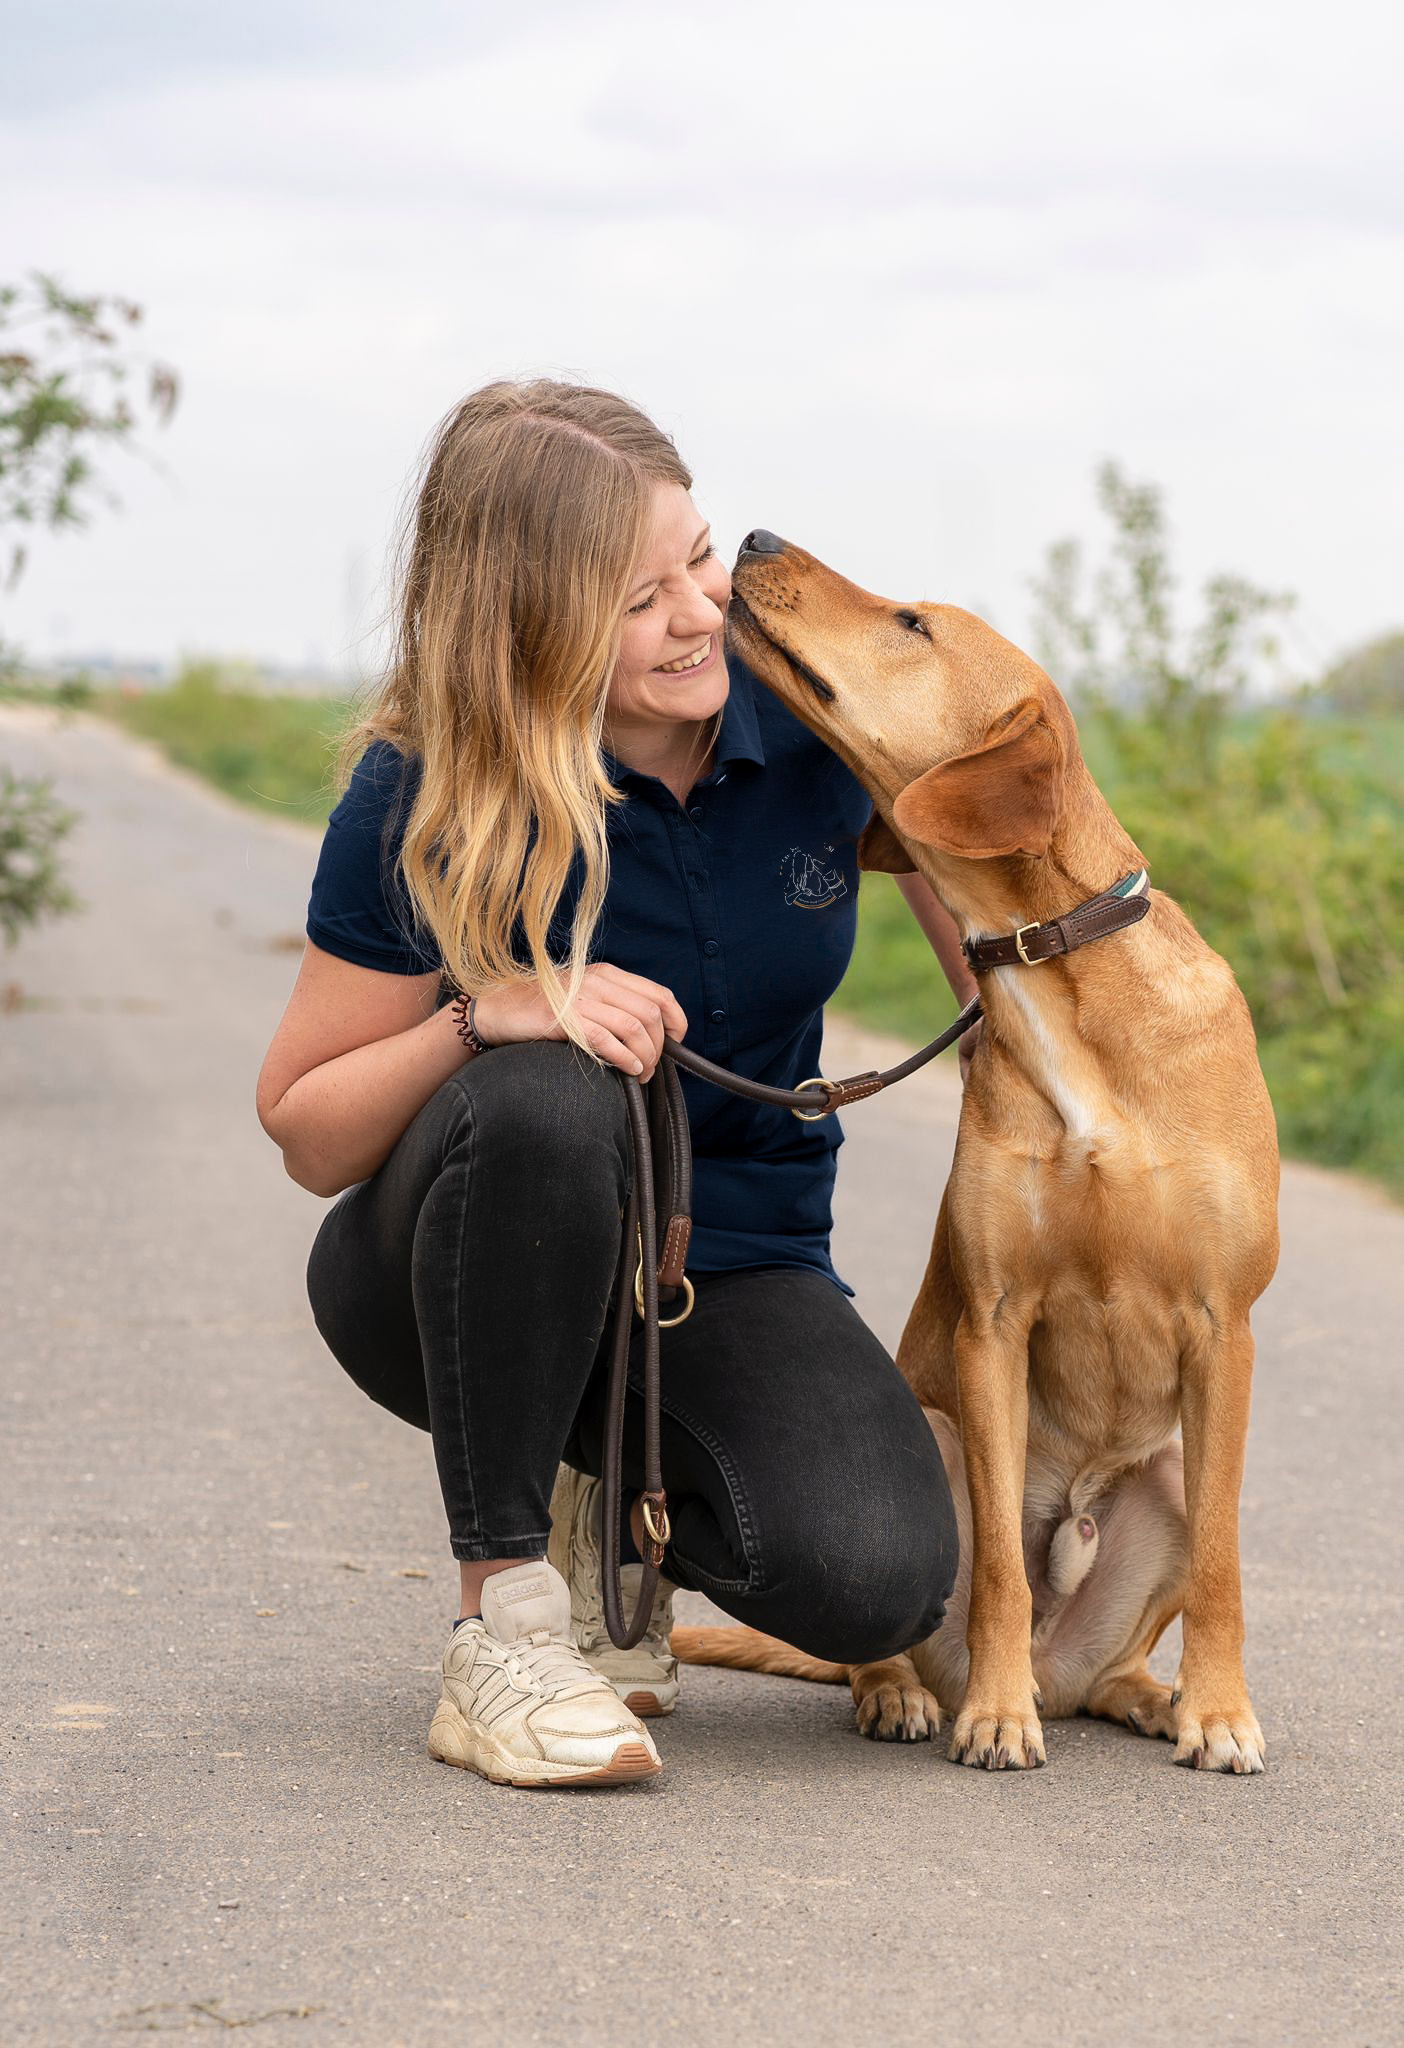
(895, 277)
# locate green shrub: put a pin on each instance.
(31, 826)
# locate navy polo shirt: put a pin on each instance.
(743, 902)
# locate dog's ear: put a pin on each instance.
(880, 851)
(1002, 797)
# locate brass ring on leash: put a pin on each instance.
(664, 1322)
(814, 1116)
(664, 1535)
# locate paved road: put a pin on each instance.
(227, 1590)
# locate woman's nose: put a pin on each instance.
(760, 541)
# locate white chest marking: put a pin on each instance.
(1074, 1109)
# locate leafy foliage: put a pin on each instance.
(1288, 865)
(1369, 680)
(61, 393)
(31, 826)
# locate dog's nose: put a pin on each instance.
(760, 541)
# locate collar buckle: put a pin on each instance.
(1029, 959)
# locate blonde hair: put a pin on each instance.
(513, 566)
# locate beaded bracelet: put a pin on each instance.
(463, 1006)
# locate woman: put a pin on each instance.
(572, 806)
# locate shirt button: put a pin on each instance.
(711, 946)
(696, 811)
(719, 1016)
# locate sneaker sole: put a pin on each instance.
(451, 1741)
(647, 1705)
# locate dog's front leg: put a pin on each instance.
(998, 1725)
(1217, 1729)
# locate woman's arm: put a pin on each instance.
(356, 1057)
(940, 928)
(359, 1053)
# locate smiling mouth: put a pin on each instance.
(689, 661)
(742, 611)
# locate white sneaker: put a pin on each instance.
(521, 1705)
(646, 1677)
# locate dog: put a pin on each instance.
(1110, 1218)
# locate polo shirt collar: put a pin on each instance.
(739, 738)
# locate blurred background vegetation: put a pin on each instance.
(1270, 808)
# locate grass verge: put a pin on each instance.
(1287, 862)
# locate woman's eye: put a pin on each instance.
(914, 623)
(696, 563)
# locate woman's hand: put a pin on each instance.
(625, 1016)
(965, 1048)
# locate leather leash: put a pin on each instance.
(659, 1134)
(661, 1191)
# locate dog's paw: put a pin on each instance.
(1139, 1702)
(1218, 1738)
(899, 1713)
(998, 1739)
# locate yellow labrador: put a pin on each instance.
(1110, 1219)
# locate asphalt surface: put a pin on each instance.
(227, 1589)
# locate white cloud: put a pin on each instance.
(895, 277)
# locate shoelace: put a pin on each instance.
(543, 1662)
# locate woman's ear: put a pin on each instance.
(1002, 797)
(880, 851)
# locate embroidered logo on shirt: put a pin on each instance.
(809, 885)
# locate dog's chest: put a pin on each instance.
(1104, 1373)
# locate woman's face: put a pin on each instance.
(672, 665)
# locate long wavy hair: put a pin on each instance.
(512, 567)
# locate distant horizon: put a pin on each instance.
(163, 671)
(896, 288)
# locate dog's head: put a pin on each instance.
(960, 737)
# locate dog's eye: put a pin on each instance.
(913, 622)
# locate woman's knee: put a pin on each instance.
(540, 1108)
(328, 1264)
(874, 1579)
(885, 1614)
(542, 1089)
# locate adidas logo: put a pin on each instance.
(531, 1589)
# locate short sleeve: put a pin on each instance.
(359, 909)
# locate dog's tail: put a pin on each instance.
(746, 1649)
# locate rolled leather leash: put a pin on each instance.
(656, 1226)
(660, 1196)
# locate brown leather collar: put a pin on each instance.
(1126, 902)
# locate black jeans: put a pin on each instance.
(466, 1286)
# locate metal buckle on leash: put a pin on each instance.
(659, 1536)
(664, 1322)
(814, 1116)
(1028, 959)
